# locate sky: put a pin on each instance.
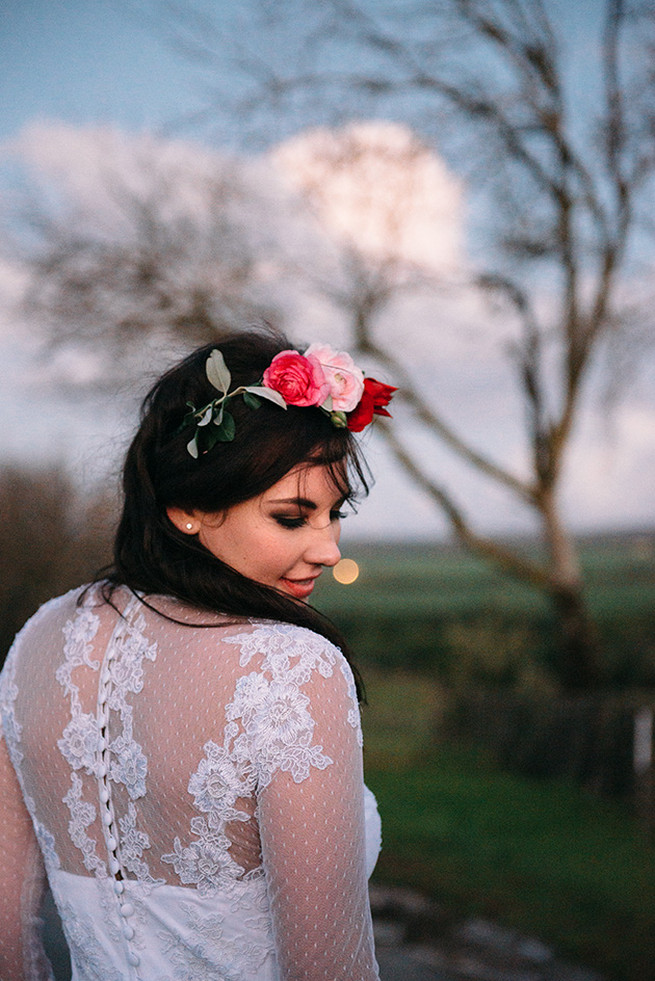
(96, 62)
(86, 62)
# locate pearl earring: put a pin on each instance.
(189, 525)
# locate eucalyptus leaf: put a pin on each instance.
(228, 429)
(218, 418)
(218, 372)
(207, 415)
(251, 400)
(192, 446)
(211, 437)
(267, 393)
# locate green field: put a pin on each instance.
(542, 857)
(619, 570)
(425, 606)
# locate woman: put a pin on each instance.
(181, 739)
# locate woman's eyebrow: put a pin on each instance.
(304, 502)
(301, 502)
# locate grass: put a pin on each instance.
(545, 858)
(425, 605)
(445, 580)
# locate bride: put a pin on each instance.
(182, 745)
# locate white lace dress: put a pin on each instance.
(196, 793)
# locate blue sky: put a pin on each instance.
(85, 61)
(97, 61)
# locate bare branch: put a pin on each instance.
(506, 559)
(409, 394)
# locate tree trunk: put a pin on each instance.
(579, 667)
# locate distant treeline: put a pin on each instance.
(51, 539)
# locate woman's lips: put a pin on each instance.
(300, 588)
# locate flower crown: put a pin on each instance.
(321, 377)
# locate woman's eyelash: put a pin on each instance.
(290, 521)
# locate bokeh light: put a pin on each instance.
(346, 571)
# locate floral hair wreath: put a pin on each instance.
(326, 379)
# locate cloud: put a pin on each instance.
(375, 186)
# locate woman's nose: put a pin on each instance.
(324, 549)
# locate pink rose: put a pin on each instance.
(345, 378)
(298, 378)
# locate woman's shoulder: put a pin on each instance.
(286, 651)
(280, 637)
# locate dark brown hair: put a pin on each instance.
(151, 555)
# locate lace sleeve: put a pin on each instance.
(22, 884)
(311, 817)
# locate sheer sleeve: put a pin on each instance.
(311, 817)
(22, 884)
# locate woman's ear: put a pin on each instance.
(185, 521)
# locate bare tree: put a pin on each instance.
(564, 190)
(146, 237)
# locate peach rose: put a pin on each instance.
(345, 378)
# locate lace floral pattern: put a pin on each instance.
(128, 762)
(278, 728)
(81, 738)
(79, 743)
(269, 728)
(213, 955)
(266, 754)
(11, 728)
(86, 953)
(133, 843)
(282, 644)
(206, 862)
(83, 814)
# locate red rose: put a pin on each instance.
(300, 380)
(376, 396)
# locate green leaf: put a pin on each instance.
(211, 437)
(217, 371)
(251, 400)
(267, 393)
(192, 446)
(228, 429)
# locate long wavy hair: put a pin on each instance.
(151, 556)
